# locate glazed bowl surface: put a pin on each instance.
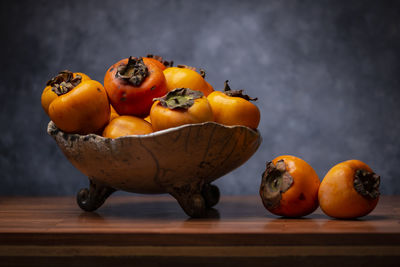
(155, 162)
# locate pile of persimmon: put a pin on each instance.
(141, 96)
(291, 188)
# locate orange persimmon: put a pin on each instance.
(289, 187)
(203, 74)
(127, 125)
(186, 77)
(81, 108)
(350, 189)
(113, 113)
(232, 107)
(178, 107)
(158, 61)
(48, 95)
(210, 88)
(148, 119)
(131, 85)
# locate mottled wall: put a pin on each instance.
(326, 74)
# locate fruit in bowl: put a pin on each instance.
(154, 140)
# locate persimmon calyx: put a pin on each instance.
(64, 82)
(179, 98)
(275, 181)
(202, 72)
(159, 58)
(135, 71)
(236, 93)
(181, 66)
(367, 183)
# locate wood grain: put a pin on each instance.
(143, 228)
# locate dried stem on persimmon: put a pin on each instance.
(366, 183)
(179, 98)
(159, 58)
(275, 181)
(64, 82)
(236, 93)
(135, 71)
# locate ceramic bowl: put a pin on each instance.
(181, 161)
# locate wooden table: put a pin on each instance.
(154, 231)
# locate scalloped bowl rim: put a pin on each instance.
(157, 133)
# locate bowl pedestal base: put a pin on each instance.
(193, 198)
(90, 199)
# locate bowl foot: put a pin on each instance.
(211, 195)
(92, 198)
(195, 200)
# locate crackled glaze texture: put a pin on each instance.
(161, 161)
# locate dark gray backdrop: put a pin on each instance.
(326, 74)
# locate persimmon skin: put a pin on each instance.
(230, 110)
(128, 99)
(210, 88)
(337, 196)
(148, 60)
(301, 198)
(148, 119)
(186, 78)
(113, 113)
(83, 110)
(48, 95)
(127, 125)
(163, 118)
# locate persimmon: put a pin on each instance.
(203, 74)
(127, 125)
(350, 189)
(81, 107)
(148, 119)
(232, 107)
(210, 88)
(186, 77)
(178, 107)
(158, 61)
(131, 85)
(289, 187)
(113, 113)
(48, 95)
